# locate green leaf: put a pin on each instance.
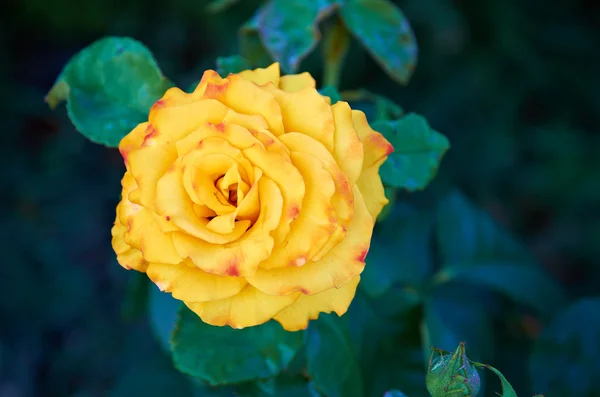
(476, 250)
(251, 47)
(521, 282)
(332, 360)
(507, 389)
(163, 309)
(418, 150)
(376, 107)
(408, 237)
(109, 87)
(223, 355)
(331, 92)
(453, 315)
(565, 356)
(466, 233)
(232, 64)
(288, 29)
(388, 343)
(386, 34)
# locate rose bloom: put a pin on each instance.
(252, 198)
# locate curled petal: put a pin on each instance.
(133, 141)
(296, 82)
(175, 120)
(172, 201)
(248, 308)
(241, 257)
(224, 139)
(142, 227)
(344, 262)
(306, 111)
(188, 283)
(127, 257)
(371, 186)
(242, 96)
(262, 76)
(279, 168)
(348, 148)
(376, 147)
(144, 233)
(295, 317)
(342, 200)
(315, 223)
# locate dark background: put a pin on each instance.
(514, 84)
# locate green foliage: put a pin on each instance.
(565, 357)
(410, 234)
(109, 87)
(418, 150)
(385, 32)
(232, 64)
(251, 46)
(287, 29)
(443, 267)
(507, 389)
(512, 279)
(331, 359)
(223, 355)
(331, 92)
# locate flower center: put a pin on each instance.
(231, 187)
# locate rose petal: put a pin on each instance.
(295, 317)
(315, 223)
(344, 262)
(144, 233)
(167, 124)
(262, 76)
(348, 148)
(375, 145)
(174, 120)
(202, 171)
(279, 168)
(241, 257)
(306, 112)
(133, 141)
(188, 283)
(127, 257)
(142, 229)
(173, 201)
(343, 198)
(372, 189)
(242, 96)
(296, 82)
(248, 308)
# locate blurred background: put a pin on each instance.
(514, 84)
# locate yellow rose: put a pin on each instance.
(251, 198)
